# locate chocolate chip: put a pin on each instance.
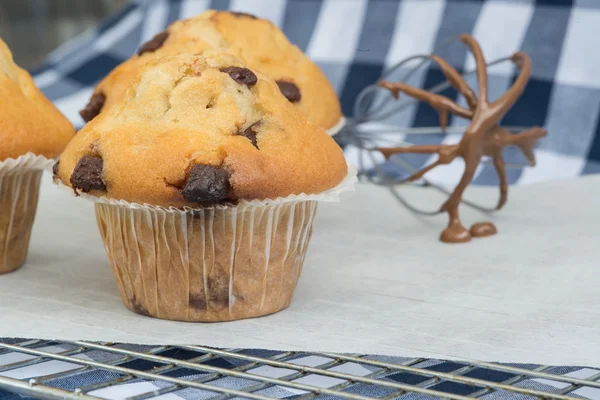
(243, 14)
(93, 107)
(243, 76)
(138, 308)
(290, 91)
(55, 168)
(206, 184)
(87, 174)
(197, 301)
(218, 291)
(250, 134)
(154, 44)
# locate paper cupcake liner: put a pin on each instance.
(334, 130)
(19, 190)
(331, 195)
(25, 162)
(213, 265)
(219, 263)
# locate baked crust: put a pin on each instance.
(186, 110)
(29, 122)
(258, 42)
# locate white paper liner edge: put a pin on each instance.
(27, 161)
(334, 130)
(331, 195)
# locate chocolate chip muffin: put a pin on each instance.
(259, 43)
(32, 131)
(203, 173)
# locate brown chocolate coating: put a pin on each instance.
(93, 107)
(206, 184)
(154, 44)
(87, 175)
(290, 91)
(483, 137)
(243, 76)
(483, 229)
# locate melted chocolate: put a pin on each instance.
(483, 229)
(206, 184)
(87, 175)
(290, 91)
(250, 134)
(241, 75)
(138, 308)
(483, 137)
(154, 44)
(197, 301)
(218, 292)
(55, 168)
(93, 107)
(243, 15)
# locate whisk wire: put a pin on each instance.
(360, 134)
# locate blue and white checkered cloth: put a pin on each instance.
(354, 41)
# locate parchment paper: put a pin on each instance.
(376, 281)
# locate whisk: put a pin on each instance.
(359, 131)
(483, 140)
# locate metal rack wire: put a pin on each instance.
(160, 364)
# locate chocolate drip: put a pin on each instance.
(483, 136)
(55, 168)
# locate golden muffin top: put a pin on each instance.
(257, 42)
(29, 122)
(201, 129)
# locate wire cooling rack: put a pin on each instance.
(174, 369)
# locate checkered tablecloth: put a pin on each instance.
(354, 41)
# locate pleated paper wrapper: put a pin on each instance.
(334, 130)
(217, 263)
(19, 190)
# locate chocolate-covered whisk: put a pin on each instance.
(484, 137)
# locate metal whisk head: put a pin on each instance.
(367, 131)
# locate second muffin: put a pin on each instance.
(257, 42)
(32, 133)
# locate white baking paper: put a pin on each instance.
(376, 280)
